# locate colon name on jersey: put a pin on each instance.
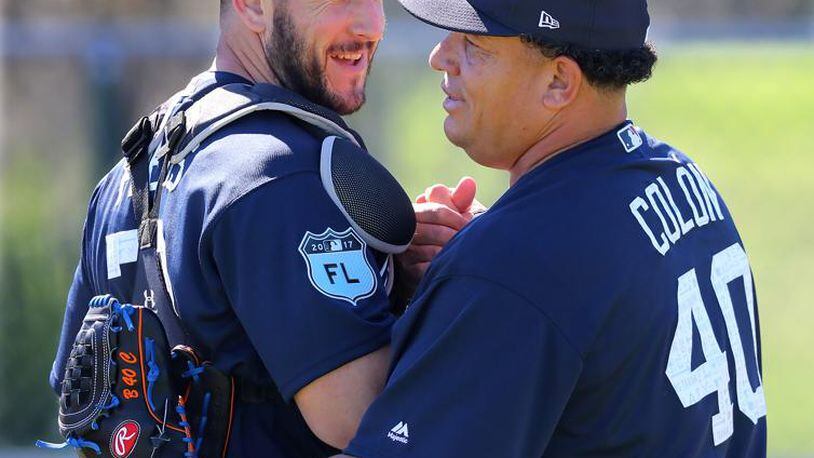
(659, 215)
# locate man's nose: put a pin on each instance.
(441, 57)
(368, 19)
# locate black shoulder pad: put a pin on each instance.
(370, 197)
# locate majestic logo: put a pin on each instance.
(547, 21)
(630, 138)
(124, 439)
(337, 265)
(400, 433)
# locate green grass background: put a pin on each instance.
(745, 112)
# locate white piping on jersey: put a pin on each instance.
(161, 250)
(391, 274)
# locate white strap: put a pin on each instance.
(311, 118)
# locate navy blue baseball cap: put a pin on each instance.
(593, 24)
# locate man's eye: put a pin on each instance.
(471, 43)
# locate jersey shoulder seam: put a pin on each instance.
(268, 181)
(525, 299)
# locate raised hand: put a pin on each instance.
(441, 212)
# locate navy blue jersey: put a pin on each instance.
(603, 307)
(267, 274)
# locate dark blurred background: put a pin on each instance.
(734, 89)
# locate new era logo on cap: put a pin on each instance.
(547, 21)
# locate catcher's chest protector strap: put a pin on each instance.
(227, 104)
(370, 198)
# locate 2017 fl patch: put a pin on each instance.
(338, 266)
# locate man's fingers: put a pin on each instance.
(435, 213)
(421, 199)
(439, 194)
(433, 234)
(464, 194)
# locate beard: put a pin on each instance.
(300, 70)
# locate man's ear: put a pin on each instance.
(563, 83)
(253, 14)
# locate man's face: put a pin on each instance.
(493, 96)
(323, 49)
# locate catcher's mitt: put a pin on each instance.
(125, 394)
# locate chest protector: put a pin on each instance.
(134, 384)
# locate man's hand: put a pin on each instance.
(461, 198)
(440, 213)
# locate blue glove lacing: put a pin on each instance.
(75, 442)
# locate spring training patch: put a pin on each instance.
(338, 266)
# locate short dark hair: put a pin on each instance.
(604, 69)
(224, 5)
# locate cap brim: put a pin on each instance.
(456, 16)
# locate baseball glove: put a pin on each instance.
(126, 394)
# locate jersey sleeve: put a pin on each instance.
(76, 307)
(479, 371)
(79, 296)
(304, 286)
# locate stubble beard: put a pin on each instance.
(299, 69)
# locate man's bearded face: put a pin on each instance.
(323, 60)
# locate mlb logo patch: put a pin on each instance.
(630, 138)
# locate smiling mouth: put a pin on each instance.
(353, 56)
(348, 57)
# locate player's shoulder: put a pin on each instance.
(565, 223)
(112, 189)
(255, 150)
(265, 149)
(566, 227)
(258, 130)
(516, 244)
(290, 170)
(262, 144)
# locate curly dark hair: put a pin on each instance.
(604, 69)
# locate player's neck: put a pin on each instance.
(566, 131)
(242, 53)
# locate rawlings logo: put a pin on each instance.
(124, 438)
